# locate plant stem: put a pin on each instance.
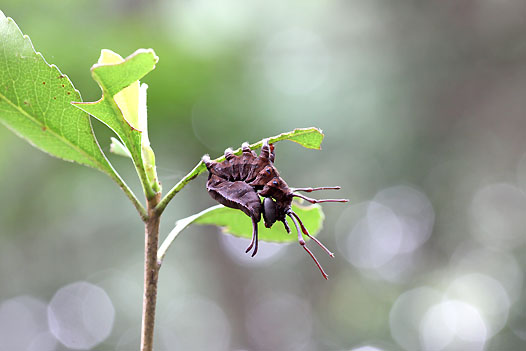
(151, 273)
(198, 169)
(129, 193)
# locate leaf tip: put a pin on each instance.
(152, 52)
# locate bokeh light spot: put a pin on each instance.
(81, 315)
(367, 348)
(375, 239)
(23, 322)
(486, 294)
(279, 322)
(497, 216)
(194, 323)
(407, 313)
(498, 264)
(386, 232)
(235, 248)
(453, 325)
(413, 209)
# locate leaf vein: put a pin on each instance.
(60, 137)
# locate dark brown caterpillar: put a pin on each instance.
(239, 181)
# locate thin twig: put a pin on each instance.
(129, 193)
(198, 169)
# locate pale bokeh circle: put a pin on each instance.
(81, 315)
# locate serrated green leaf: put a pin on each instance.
(237, 223)
(35, 102)
(118, 108)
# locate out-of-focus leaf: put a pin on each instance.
(237, 223)
(35, 102)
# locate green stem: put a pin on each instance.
(198, 169)
(146, 186)
(129, 193)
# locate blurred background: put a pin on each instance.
(423, 107)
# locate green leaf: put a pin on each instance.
(308, 137)
(237, 223)
(35, 102)
(119, 106)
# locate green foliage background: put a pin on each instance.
(429, 96)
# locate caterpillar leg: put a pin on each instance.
(303, 244)
(254, 242)
(308, 190)
(316, 201)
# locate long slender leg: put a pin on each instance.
(306, 232)
(254, 242)
(302, 243)
(316, 201)
(308, 190)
